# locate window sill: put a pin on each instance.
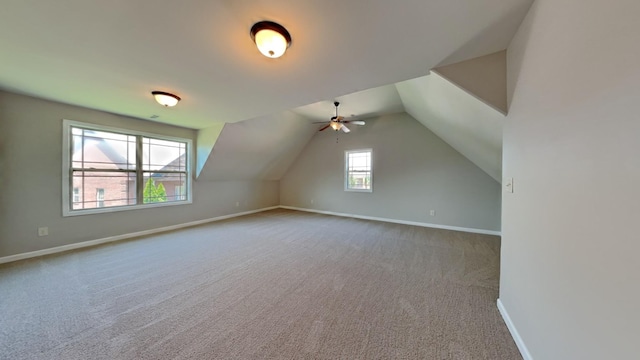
(359, 190)
(80, 212)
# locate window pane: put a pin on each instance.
(164, 187)
(359, 161)
(102, 150)
(360, 180)
(163, 155)
(94, 189)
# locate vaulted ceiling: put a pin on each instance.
(109, 55)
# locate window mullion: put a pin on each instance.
(70, 154)
(84, 190)
(139, 175)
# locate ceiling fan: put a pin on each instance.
(338, 122)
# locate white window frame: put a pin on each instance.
(346, 170)
(67, 184)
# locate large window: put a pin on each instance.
(108, 169)
(358, 173)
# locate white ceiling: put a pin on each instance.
(109, 55)
(362, 104)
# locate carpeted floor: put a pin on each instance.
(274, 285)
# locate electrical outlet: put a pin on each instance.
(432, 213)
(43, 231)
(311, 201)
(237, 203)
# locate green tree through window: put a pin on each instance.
(154, 193)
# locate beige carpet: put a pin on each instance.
(275, 285)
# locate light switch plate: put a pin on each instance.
(508, 184)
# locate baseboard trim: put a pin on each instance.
(395, 221)
(514, 332)
(89, 243)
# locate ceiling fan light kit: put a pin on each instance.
(165, 98)
(272, 39)
(337, 122)
(335, 125)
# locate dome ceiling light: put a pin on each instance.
(272, 39)
(165, 98)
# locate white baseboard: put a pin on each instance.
(89, 243)
(415, 223)
(514, 332)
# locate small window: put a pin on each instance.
(110, 169)
(358, 173)
(99, 198)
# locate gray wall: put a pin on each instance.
(570, 274)
(31, 175)
(414, 172)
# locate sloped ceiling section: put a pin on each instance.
(257, 149)
(467, 124)
(206, 140)
(484, 77)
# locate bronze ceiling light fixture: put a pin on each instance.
(165, 98)
(272, 39)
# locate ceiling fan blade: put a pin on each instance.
(354, 122)
(345, 128)
(324, 127)
(320, 122)
(339, 118)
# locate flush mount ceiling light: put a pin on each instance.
(272, 39)
(165, 98)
